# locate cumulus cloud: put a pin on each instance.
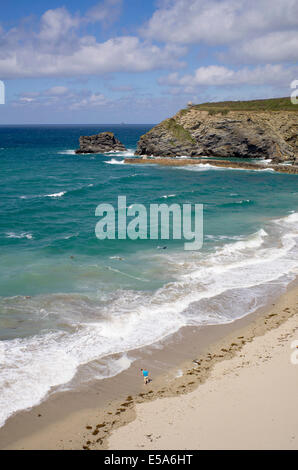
(216, 75)
(56, 24)
(219, 21)
(258, 30)
(248, 35)
(280, 46)
(57, 49)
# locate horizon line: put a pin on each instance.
(81, 124)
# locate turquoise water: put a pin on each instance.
(68, 299)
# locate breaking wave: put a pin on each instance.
(210, 288)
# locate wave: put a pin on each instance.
(113, 161)
(223, 237)
(124, 153)
(210, 288)
(60, 194)
(67, 152)
(56, 194)
(166, 196)
(244, 202)
(208, 166)
(27, 235)
(200, 167)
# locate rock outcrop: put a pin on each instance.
(227, 133)
(244, 164)
(100, 143)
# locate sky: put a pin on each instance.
(133, 61)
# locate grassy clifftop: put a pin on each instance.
(272, 104)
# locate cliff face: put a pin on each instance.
(100, 143)
(227, 133)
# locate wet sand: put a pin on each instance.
(248, 402)
(85, 418)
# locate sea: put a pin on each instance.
(73, 308)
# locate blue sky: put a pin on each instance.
(141, 61)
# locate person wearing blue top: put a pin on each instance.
(145, 376)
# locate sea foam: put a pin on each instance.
(210, 288)
(113, 161)
(56, 194)
(27, 235)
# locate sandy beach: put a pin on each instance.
(149, 222)
(239, 392)
(248, 402)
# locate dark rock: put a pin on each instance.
(100, 143)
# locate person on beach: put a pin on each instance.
(145, 376)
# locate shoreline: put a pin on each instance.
(290, 169)
(87, 417)
(248, 402)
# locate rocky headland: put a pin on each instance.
(265, 129)
(100, 143)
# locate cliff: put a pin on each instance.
(246, 129)
(100, 143)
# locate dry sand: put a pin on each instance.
(248, 402)
(239, 391)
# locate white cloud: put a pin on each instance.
(56, 24)
(219, 21)
(95, 100)
(215, 75)
(58, 50)
(63, 98)
(280, 46)
(255, 30)
(106, 11)
(26, 99)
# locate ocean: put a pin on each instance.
(72, 307)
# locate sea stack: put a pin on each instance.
(100, 143)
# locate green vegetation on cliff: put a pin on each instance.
(223, 107)
(177, 131)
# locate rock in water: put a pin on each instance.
(100, 143)
(256, 129)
